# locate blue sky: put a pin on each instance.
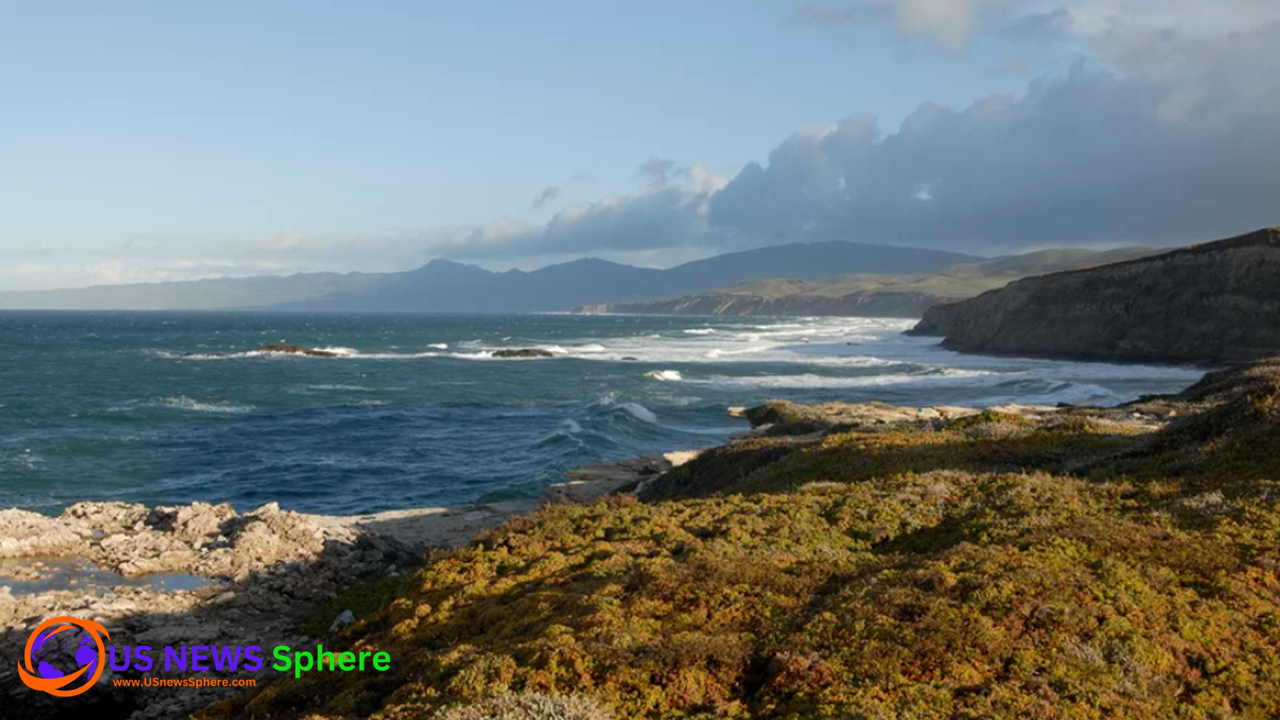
(166, 140)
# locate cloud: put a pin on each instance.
(657, 172)
(1176, 140)
(83, 270)
(954, 24)
(504, 233)
(1012, 66)
(1189, 17)
(1167, 132)
(546, 195)
(1164, 136)
(950, 24)
(671, 212)
(1041, 28)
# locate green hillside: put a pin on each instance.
(1077, 563)
(902, 295)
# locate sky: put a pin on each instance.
(149, 141)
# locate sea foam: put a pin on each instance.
(665, 375)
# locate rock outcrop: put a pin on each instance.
(1216, 302)
(196, 574)
(207, 574)
(297, 350)
(522, 353)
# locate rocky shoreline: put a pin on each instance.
(206, 574)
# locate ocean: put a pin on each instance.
(168, 408)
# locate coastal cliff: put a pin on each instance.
(1214, 302)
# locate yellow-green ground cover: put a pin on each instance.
(1083, 564)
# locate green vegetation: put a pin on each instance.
(361, 600)
(528, 706)
(1077, 564)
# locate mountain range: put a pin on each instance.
(446, 286)
(874, 295)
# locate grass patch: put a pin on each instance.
(364, 601)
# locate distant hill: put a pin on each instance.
(445, 286)
(867, 295)
(1213, 302)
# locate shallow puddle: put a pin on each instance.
(29, 576)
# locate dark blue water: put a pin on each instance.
(170, 408)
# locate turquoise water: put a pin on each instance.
(176, 407)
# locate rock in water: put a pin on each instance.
(297, 350)
(1205, 303)
(522, 353)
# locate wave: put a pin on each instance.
(439, 346)
(338, 350)
(340, 353)
(812, 380)
(634, 409)
(182, 402)
(665, 375)
(639, 412)
(170, 355)
(569, 433)
(717, 353)
(861, 361)
(367, 403)
(391, 356)
(699, 331)
(712, 431)
(27, 459)
(1066, 393)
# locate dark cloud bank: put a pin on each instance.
(1161, 138)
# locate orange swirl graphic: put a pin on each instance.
(54, 686)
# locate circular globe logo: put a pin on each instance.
(64, 656)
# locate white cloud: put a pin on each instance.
(951, 24)
(671, 212)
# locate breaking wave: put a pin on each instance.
(665, 375)
(182, 402)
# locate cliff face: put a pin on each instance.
(1214, 302)
(864, 304)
